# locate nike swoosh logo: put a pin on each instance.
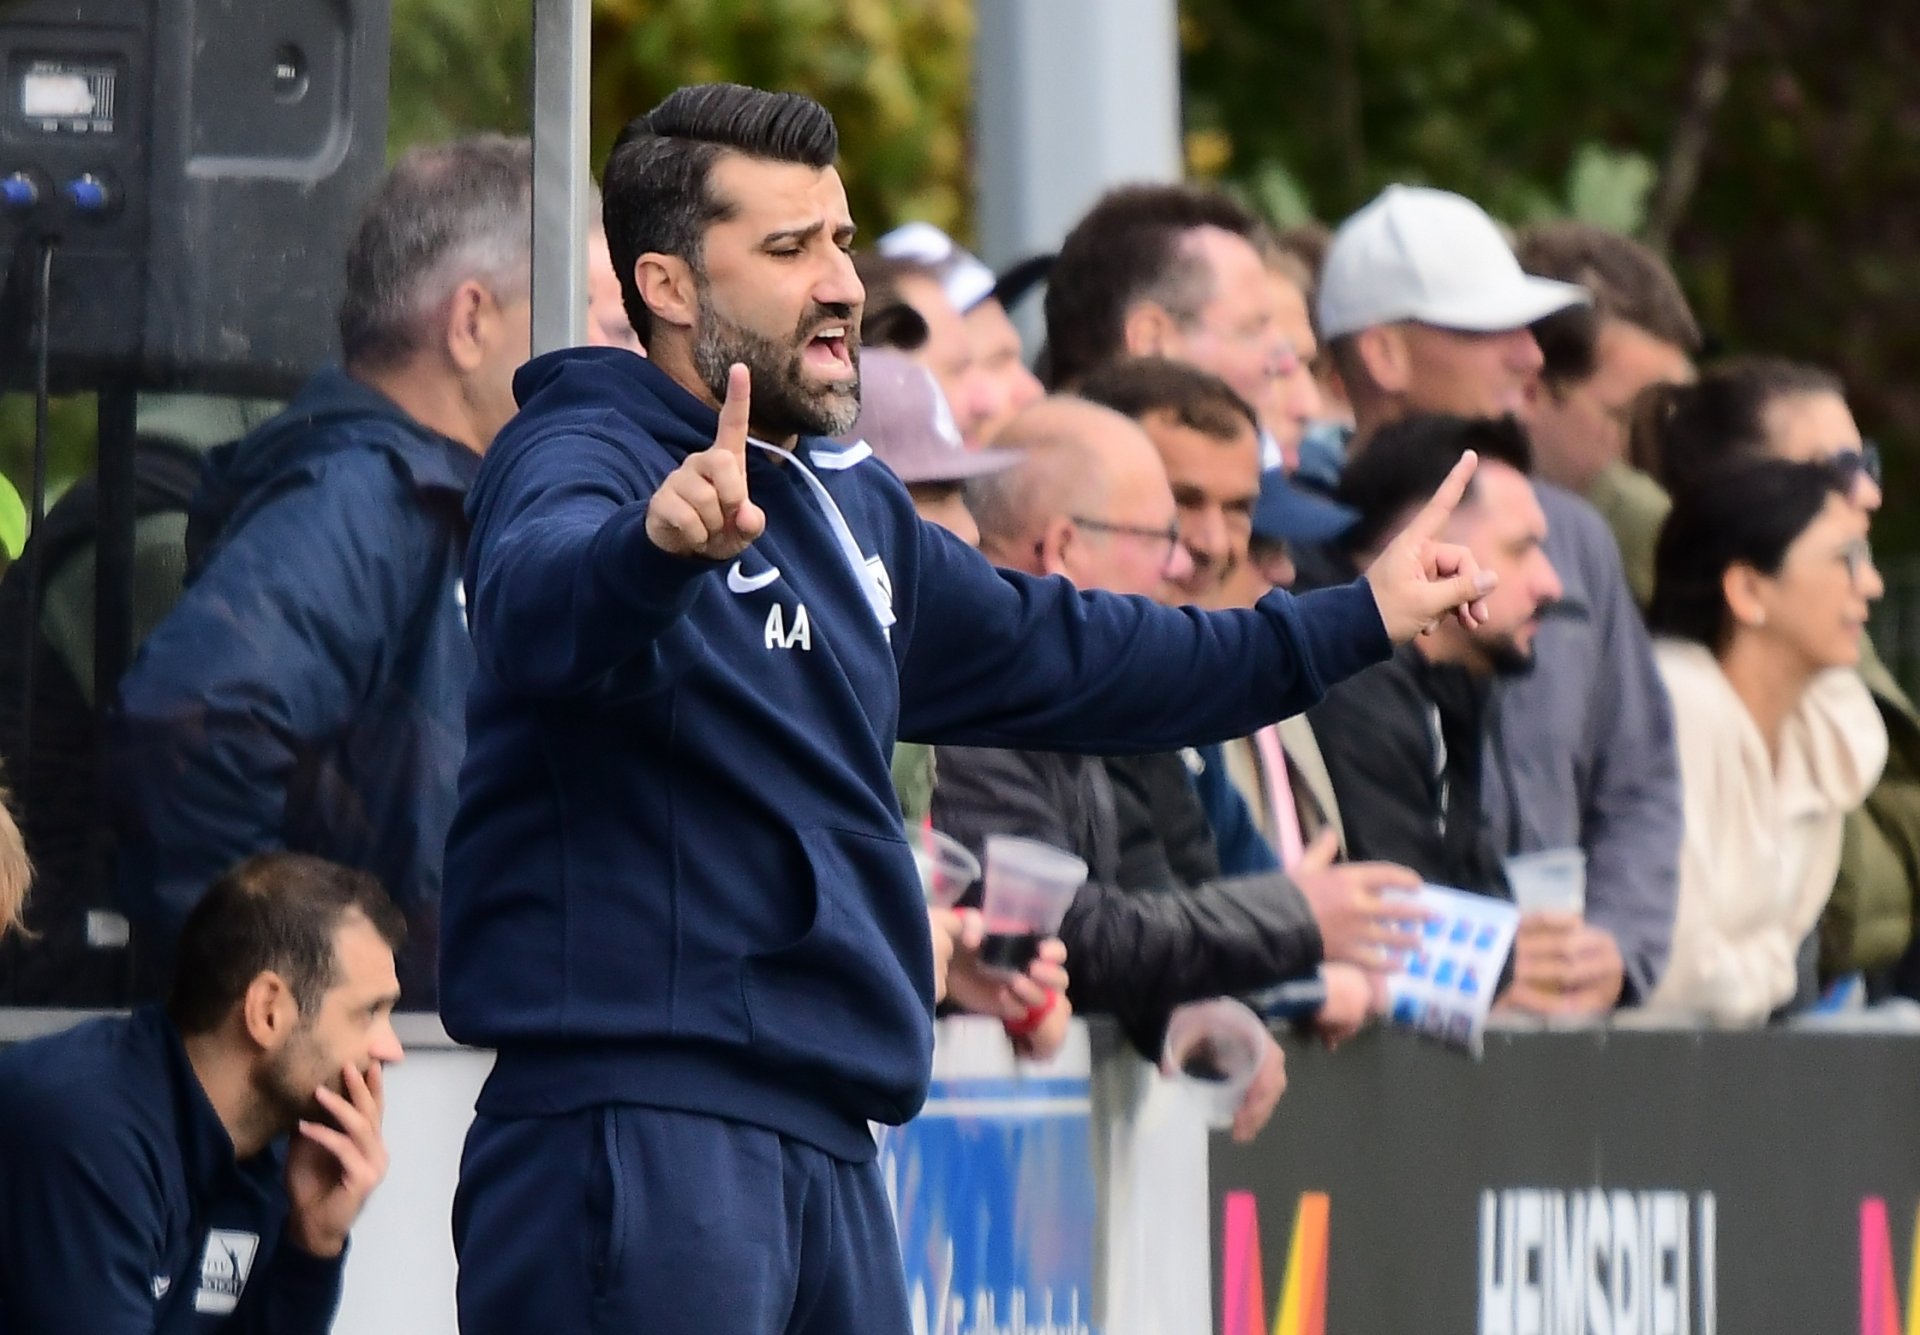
(741, 582)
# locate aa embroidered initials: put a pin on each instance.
(778, 636)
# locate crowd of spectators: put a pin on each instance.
(1216, 410)
(1615, 608)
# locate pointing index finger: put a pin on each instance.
(732, 433)
(1435, 513)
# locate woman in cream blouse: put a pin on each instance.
(1763, 579)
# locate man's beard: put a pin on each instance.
(1507, 657)
(784, 404)
(287, 1084)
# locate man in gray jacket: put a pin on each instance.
(1425, 309)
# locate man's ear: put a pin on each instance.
(1149, 330)
(269, 1011)
(1055, 545)
(668, 289)
(1383, 352)
(468, 328)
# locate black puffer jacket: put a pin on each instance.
(1155, 926)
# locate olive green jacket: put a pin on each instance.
(1869, 919)
(913, 780)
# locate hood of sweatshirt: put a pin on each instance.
(332, 412)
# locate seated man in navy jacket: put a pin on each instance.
(196, 1169)
(679, 899)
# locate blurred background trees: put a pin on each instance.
(1771, 146)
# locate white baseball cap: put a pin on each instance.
(966, 281)
(1433, 256)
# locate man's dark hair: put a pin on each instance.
(1128, 249)
(1747, 512)
(1629, 283)
(277, 912)
(658, 182)
(446, 213)
(1140, 387)
(889, 320)
(1683, 432)
(1405, 462)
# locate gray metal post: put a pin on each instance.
(561, 55)
(1070, 97)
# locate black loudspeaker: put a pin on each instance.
(199, 166)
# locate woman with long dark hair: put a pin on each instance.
(1763, 582)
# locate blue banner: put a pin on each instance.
(993, 1194)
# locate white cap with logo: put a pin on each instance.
(1433, 256)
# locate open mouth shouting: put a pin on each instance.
(829, 354)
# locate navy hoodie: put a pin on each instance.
(122, 1208)
(308, 691)
(677, 876)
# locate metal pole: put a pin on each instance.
(561, 57)
(1070, 97)
(115, 516)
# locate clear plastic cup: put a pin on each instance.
(1551, 881)
(1213, 1050)
(947, 869)
(1028, 887)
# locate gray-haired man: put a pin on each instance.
(308, 691)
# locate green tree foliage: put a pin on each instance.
(1772, 145)
(894, 73)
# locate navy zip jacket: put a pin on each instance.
(308, 691)
(678, 876)
(122, 1208)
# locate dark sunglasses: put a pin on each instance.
(1850, 463)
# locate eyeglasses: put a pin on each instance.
(1852, 463)
(1859, 558)
(1168, 537)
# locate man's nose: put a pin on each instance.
(1204, 534)
(1304, 403)
(839, 285)
(386, 1048)
(1523, 352)
(1551, 589)
(1179, 564)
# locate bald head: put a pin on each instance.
(1089, 485)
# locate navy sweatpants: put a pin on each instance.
(627, 1220)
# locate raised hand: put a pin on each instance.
(331, 1170)
(1419, 579)
(702, 508)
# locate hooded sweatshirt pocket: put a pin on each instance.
(852, 993)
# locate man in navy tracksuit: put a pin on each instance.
(147, 1185)
(679, 901)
